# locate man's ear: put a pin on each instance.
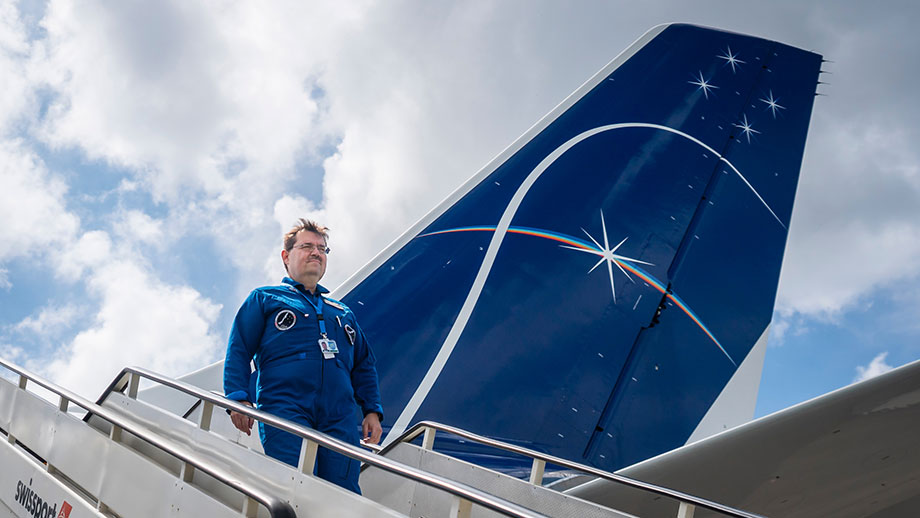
(284, 258)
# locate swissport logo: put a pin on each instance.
(37, 506)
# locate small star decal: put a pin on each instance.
(607, 254)
(772, 104)
(703, 85)
(746, 128)
(731, 59)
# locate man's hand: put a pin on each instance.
(371, 428)
(243, 422)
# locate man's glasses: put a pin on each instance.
(310, 247)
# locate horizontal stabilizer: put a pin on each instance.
(848, 454)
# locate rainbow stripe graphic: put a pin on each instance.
(587, 245)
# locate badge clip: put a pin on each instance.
(328, 347)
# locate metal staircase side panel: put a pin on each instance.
(27, 488)
(7, 394)
(310, 496)
(394, 492)
(31, 418)
(261, 470)
(6, 512)
(132, 486)
(125, 482)
(417, 500)
(80, 452)
(222, 426)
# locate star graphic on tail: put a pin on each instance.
(608, 255)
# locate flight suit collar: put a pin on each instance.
(320, 289)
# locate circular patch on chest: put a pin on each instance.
(285, 319)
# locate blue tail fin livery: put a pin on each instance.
(593, 289)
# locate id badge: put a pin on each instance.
(328, 347)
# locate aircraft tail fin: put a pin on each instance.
(593, 289)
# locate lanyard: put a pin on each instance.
(319, 311)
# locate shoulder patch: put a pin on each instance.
(336, 304)
(285, 319)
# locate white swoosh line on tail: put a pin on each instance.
(751, 187)
(421, 392)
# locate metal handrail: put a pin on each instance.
(458, 489)
(277, 508)
(541, 459)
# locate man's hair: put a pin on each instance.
(304, 224)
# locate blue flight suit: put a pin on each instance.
(278, 328)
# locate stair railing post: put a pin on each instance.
(536, 472)
(207, 410)
(133, 381)
(428, 438)
(460, 508)
(250, 507)
(686, 510)
(308, 456)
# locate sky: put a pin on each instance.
(152, 154)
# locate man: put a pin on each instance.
(313, 363)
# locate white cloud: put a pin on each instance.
(49, 321)
(138, 319)
(113, 69)
(17, 96)
(32, 205)
(92, 249)
(222, 102)
(778, 329)
(217, 105)
(188, 95)
(424, 112)
(210, 107)
(141, 321)
(856, 225)
(876, 367)
(288, 209)
(11, 353)
(138, 227)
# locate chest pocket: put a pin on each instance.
(346, 357)
(289, 330)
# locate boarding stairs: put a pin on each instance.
(62, 456)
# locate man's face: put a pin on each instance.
(306, 261)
